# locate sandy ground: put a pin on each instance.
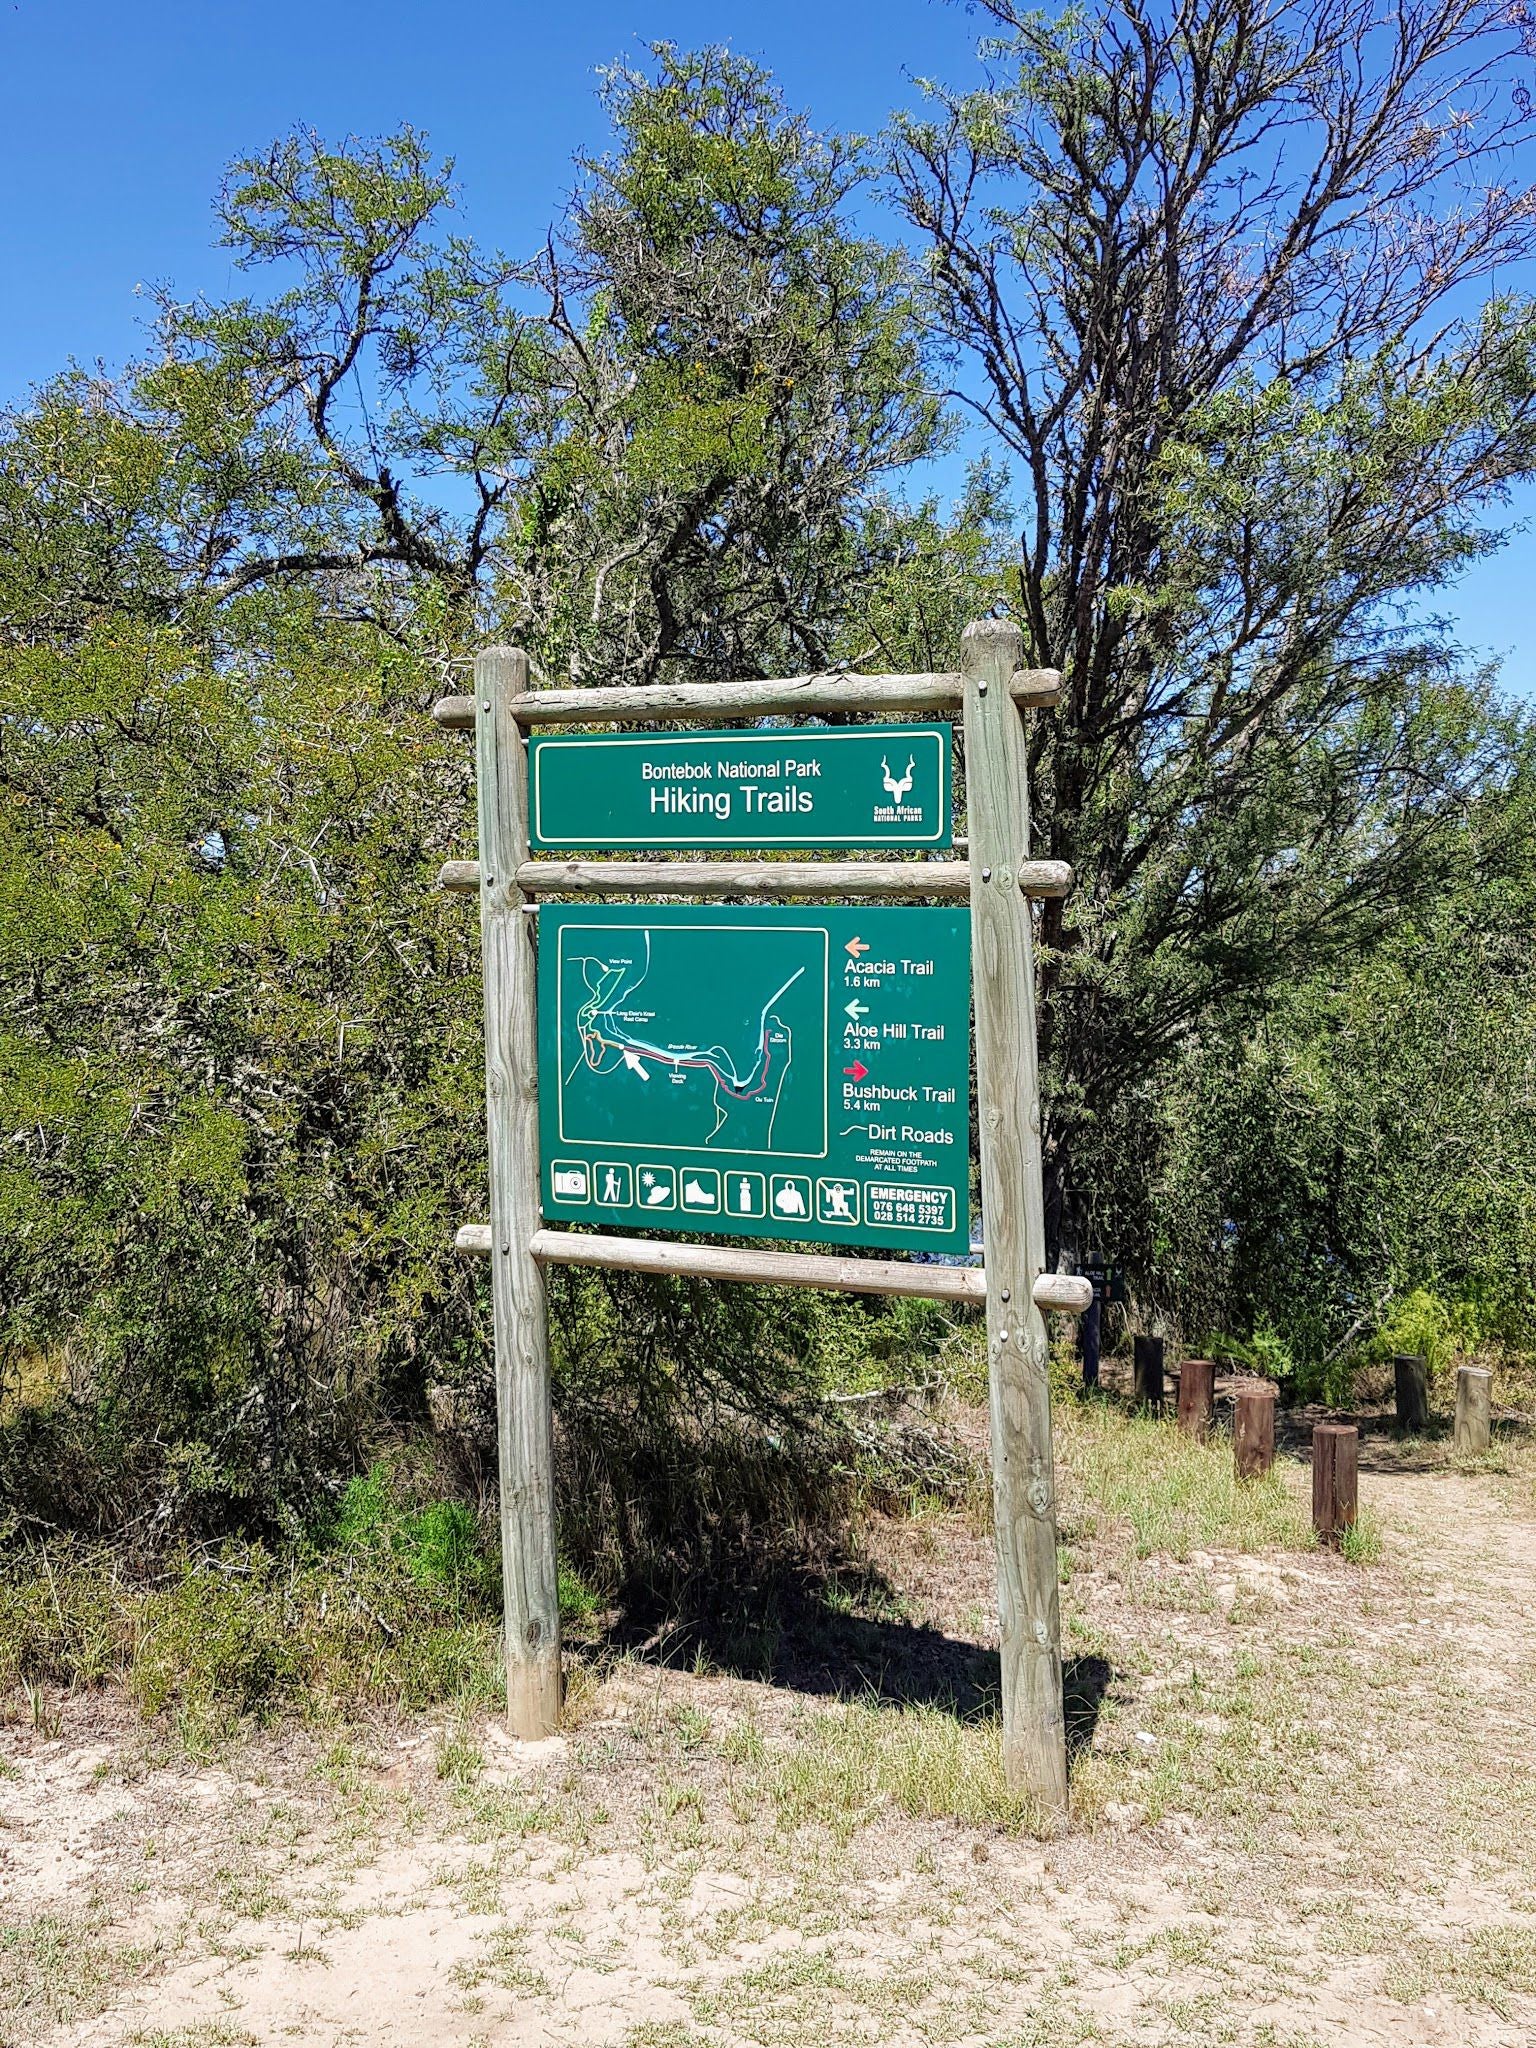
(1308, 1816)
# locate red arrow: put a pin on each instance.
(858, 1070)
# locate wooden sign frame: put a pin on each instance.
(991, 691)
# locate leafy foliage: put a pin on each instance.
(223, 1055)
(1369, 1135)
(1215, 277)
(1287, 1010)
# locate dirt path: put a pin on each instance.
(1309, 1817)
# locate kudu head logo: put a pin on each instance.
(899, 789)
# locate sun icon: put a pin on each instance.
(647, 1180)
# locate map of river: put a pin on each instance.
(694, 1037)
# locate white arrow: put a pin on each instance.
(855, 1009)
(632, 1061)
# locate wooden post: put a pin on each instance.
(1089, 1340)
(1410, 1375)
(1013, 1216)
(1150, 1389)
(1474, 1410)
(1335, 1479)
(525, 1450)
(1197, 1397)
(1253, 1428)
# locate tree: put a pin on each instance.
(740, 379)
(665, 445)
(1217, 274)
(238, 1028)
(1373, 1134)
(393, 369)
(235, 1029)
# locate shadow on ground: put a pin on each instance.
(839, 1634)
(1383, 1446)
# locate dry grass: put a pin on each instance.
(1141, 1477)
(1299, 1773)
(57, 1966)
(851, 1763)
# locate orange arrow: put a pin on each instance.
(855, 947)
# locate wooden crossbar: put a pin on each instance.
(888, 696)
(766, 879)
(1063, 1293)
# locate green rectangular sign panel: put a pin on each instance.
(775, 1073)
(865, 785)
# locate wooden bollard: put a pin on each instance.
(1149, 1371)
(1335, 1479)
(1197, 1397)
(1253, 1428)
(1474, 1409)
(1410, 1377)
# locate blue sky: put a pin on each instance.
(121, 117)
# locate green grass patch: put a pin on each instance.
(250, 1633)
(1362, 1543)
(579, 1603)
(1488, 1966)
(436, 1543)
(857, 1762)
(245, 1632)
(396, 1601)
(1173, 1494)
(204, 2034)
(57, 1967)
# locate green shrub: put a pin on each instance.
(64, 1619)
(1265, 1352)
(221, 1636)
(364, 1517)
(243, 1632)
(443, 1546)
(436, 1540)
(578, 1601)
(1440, 1331)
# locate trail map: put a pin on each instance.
(698, 1057)
(762, 1072)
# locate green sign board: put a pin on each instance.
(864, 785)
(776, 1073)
